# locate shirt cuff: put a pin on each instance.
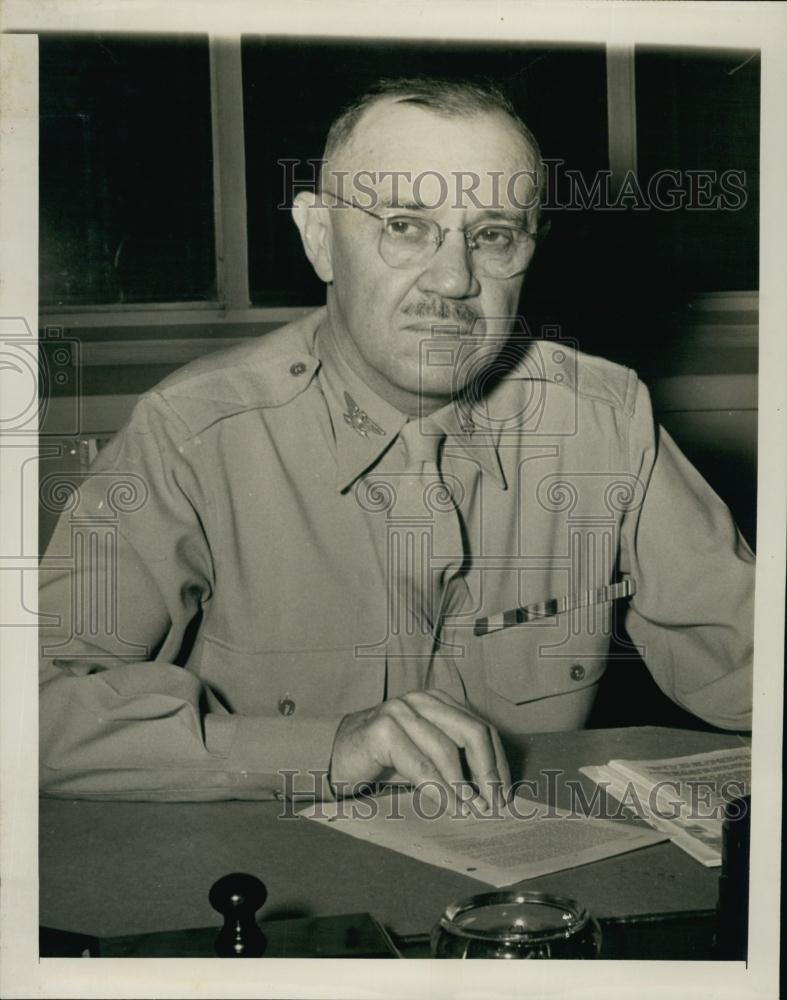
(289, 757)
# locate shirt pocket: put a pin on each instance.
(288, 682)
(540, 660)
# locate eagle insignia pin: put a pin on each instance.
(358, 419)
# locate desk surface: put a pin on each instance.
(110, 868)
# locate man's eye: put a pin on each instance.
(498, 237)
(403, 228)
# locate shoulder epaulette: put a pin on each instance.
(269, 371)
(589, 376)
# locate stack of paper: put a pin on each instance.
(683, 797)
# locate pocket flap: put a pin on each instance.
(528, 662)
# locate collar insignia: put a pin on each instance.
(358, 419)
(466, 423)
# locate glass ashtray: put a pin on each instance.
(513, 924)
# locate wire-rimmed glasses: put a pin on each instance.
(497, 249)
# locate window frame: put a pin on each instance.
(233, 303)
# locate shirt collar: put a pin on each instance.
(365, 425)
(469, 432)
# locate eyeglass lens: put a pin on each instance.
(496, 251)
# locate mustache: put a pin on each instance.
(456, 312)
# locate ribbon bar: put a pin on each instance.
(555, 606)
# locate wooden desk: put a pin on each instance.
(111, 868)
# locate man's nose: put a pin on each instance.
(449, 273)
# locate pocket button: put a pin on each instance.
(577, 672)
(286, 706)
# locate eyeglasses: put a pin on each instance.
(498, 249)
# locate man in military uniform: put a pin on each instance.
(378, 541)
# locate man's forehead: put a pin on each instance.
(404, 149)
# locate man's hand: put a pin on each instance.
(417, 738)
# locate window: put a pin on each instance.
(698, 113)
(126, 189)
(129, 161)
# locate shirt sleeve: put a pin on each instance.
(692, 615)
(123, 583)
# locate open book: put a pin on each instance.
(683, 797)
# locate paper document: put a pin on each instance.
(683, 797)
(521, 841)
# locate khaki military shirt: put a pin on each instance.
(218, 591)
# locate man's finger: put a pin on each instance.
(503, 768)
(502, 764)
(471, 733)
(435, 744)
(409, 745)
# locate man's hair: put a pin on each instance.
(444, 97)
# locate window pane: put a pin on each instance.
(698, 114)
(559, 92)
(126, 189)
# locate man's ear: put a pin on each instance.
(313, 225)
